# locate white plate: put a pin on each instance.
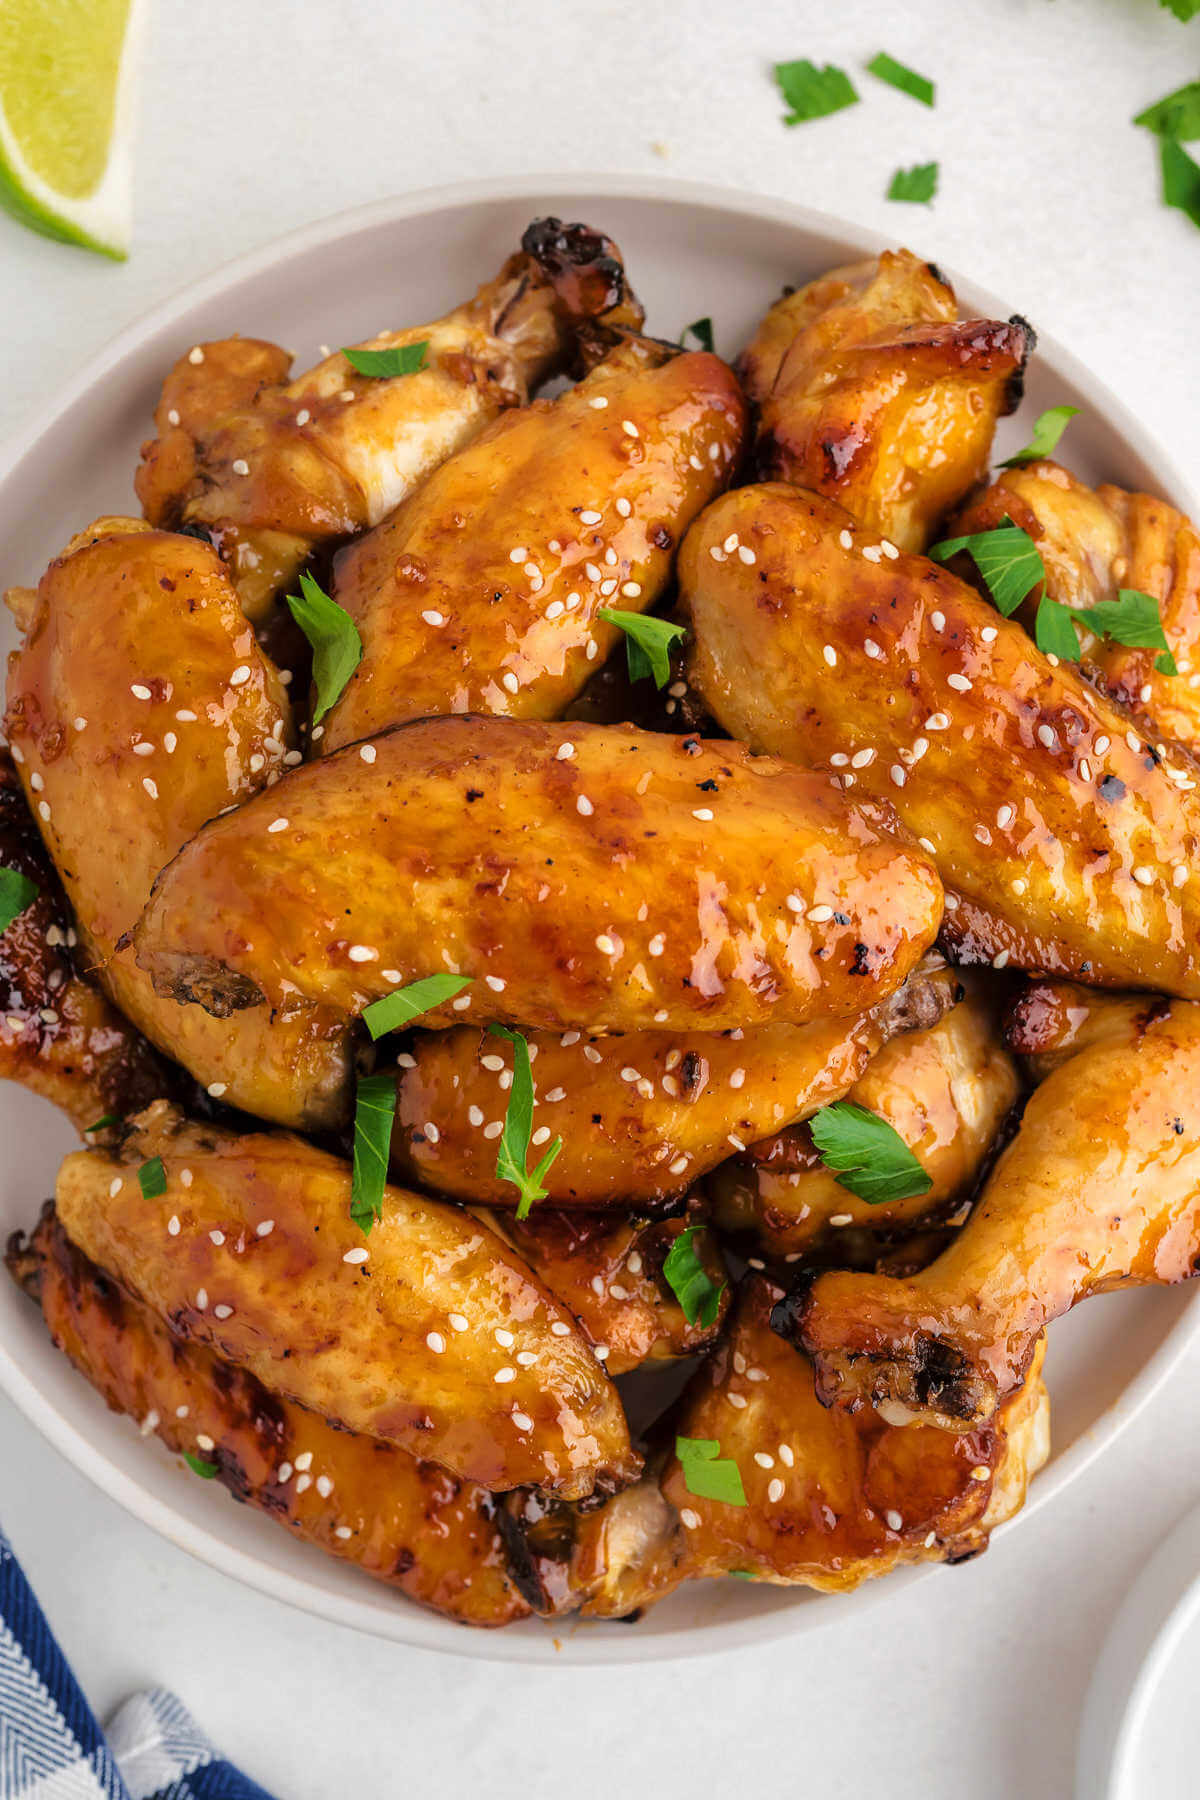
(691, 250)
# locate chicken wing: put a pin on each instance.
(1093, 543)
(1052, 1021)
(831, 1498)
(642, 1115)
(482, 592)
(429, 1334)
(610, 880)
(1068, 843)
(139, 705)
(946, 1090)
(1099, 1189)
(271, 468)
(405, 1522)
(872, 392)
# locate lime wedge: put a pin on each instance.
(66, 117)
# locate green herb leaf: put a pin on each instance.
(647, 643)
(1180, 180)
(152, 1179)
(102, 1124)
(690, 1282)
(1176, 115)
(198, 1466)
(16, 893)
(513, 1155)
(1183, 9)
(1132, 618)
(1006, 557)
(918, 184)
(411, 1002)
(813, 93)
(399, 359)
(1054, 630)
(701, 330)
(336, 646)
(705, 1476)
(742, 1575)
(374, 1111)
(1048, 428)
(897, 76)
(868, 1157)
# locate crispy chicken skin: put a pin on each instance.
(1100, 1188)
(405, 1522)
(393, 1335)
(607, 880)
(481, 593)
(642, 1115)
(831, 1498)
(946, 1091)
(272, 468)
(1093, 542)
(1067, 843)
(59, 1035)
(871, 391)
(139, 705)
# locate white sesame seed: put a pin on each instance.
(432, 1134)
(584, 806)
(830, 655)
(746, 555)
(522, 1421)
(894, 1521)
(897, 774)
(1005, 817)
(1085, 769)
(457, 1322)
(504, 1375)
(1000, 960)
(279, 825)
(185, 716)
(223, 1311)
(554, 609)
(980, 1472)
(497, 983)
(493, 1130)
(217, 1237)
(629, 428)
(589, 518)
(172, 416)
(872, 648)
(284, 1473)
(938, 620)
(631, 589)
(689, 1518)
(324, 1486)
(862, 759)
(173, 1225)
(509, 681)
(360, 953)
(605, 945)
(845, 540)
(1179, 874)
(959, 683)
(938, 721)
(240, 676)
(240, 466)
(1101, 745)
(204, 1442)
(716, 552)
(1144, 876)
(433, 617)
(303, 416)
(44, 805)
(357, 1255)
(202, 1298)
(989, 634)
(600, 402)
(703, 813)
(873, 553)
(518, 554)
(775, 1490)
(195, 354)
(181, 1412)
(1132, 739)
(842, 1219)
(532, 571)
(436, 1342)
(679, 1165)
(185, 1178)
(657, 944)
(114, 1187)
(1045, 735)
(343, 1531)
(564, 752)
(140, 691)
(540, 1135)
(737, 1401)
(303, 1483)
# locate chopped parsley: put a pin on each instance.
(813, 93)
(1176, 115)
(152, 1179)
(513, 1155)
(707, 1474)
(897, 76)
(1184, 10)
(701, 330)
(1133, 618)
(1006, 557)
(336, 646)
(1180, 180)
(411, 1002)
(398, 359)
(198, 1466)
(374, 1111)
(690, 1282)
(1048, 428)
(17, 893)
(867, 1156)
(917, 185)
(647, 643)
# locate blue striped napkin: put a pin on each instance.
(51, 1746)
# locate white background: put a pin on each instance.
(257, 117)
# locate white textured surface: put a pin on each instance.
(256, 118)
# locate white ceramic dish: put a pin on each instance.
(691, 250)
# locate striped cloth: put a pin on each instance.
(51, 1746)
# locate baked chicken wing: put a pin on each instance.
(1052, 1021)
(271, 468)
(871, 390)
(1068, 843)
(429, 1333)
(139, 705)
(581, 877)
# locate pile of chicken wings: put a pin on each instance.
(866, 842)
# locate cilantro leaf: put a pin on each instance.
(1176, 115)
(1054, 630)
(102, 1124)
(701, 330)
(867, 1156)
(336, 646)
(813, 93)
(897, 76)
(1133, 618)
(513, 1155)
(398, 359)
(690, 1282)
(411, 1002)
(374, 1111)
(647, 643)
(1180, 180)
(1183, 9)
(16, 893)
(198, 1466)
(918, 184)
(152, 1179)
(1048, 428)
(1007, 558)
(706, 1476)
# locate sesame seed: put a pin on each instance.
(564, 752)
(202, 1298)
(497, 983)
(629, 428)
(938, 721)
(303, 416)
(1131, 738)
(842, 1219)
(264, 1229)
(114, 1187)
(1179, 874)
(980, 1472)
(554, 609)
(303, 1483)
(716, 552)
(599, 403)
(504, 1337)
(173, 1226)
(1101, 745)
(605, 945)
(204, 1442)
(897, 774)
(195, 354)
(737, 1401)
(504, 1375)
(889, 550)
(631, 589)
(185, 1178)
(531, 570)
(44, 805)
(1000, 960)
(458, 1323)
(217, 1237)
(509, 680)
(432, 1134)
(181, 1412)
(938, 621)
(746, 555)
(679, 1165)
(240, 466)
(786, 1455)
(688, 1517)
(775, 1490)
(845, 540)
(143, 748)
(217, 1088)
(518, 555)
(871, 647)
(560, 1328)
(436, 1342)
(731, 543)
(80, 725)
(223, 1311)
(894, 1521)
(872, 553)
(172, 417)
(284, 1473)
(279, 825)
(584, 806)
(830, 655)
(343, 1531)
(492, 1061)
(433, 617)
(989, 634)
(522, 1421)
(1143, 875)
(657, 944)
(820, 915)
(240, 676)
(324, 1486)
(703, 813)
(540, 1135)
(589, 518)
(361, 953)
(1005, 817)
(959, 683)
(601, 1352)
(862, 759)
(357, 1255)
(494, 1129)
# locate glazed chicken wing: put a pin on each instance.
(405, 1522)
(946, 1090)
(482, 592)
(871, 391)
(429, 1333)
(139, 705)
(1052, 1021)
(271, 468)
(831, 1498)
(1067, 842)
(1093, 543)
(1099, 1189)
(608, 879)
